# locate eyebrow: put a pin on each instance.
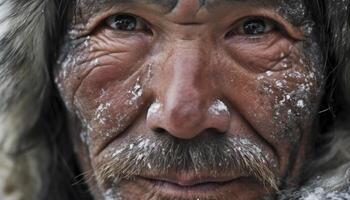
(290, 8)
(167, 4)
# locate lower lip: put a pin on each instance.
(200, 190)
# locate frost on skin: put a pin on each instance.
(100, 115)
(294, 10)
(85, 137)
(112, 194)
(67, 65)
(154, 109)
(294, 91)
(96, 117)
(104, 117)
(218, 107)
(136, 93)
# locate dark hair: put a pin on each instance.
(65, 180)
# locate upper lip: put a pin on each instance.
(192, 179)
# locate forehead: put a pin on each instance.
(293, 10)
(171, 4)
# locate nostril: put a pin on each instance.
(159, 130)
(215, 130)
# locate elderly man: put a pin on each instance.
(174, 99)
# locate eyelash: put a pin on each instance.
(270, 24)
(140, 24)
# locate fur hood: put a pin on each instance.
(33, 121)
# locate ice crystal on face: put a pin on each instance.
(85, 138)
(154, 108)
(87, 42)
(269, 73)
(294, 10)
(109, 195)
(117, 152)
(112, 194)
(218, 107)
(279, 84)
(144, 143)
(100, 113)
(300, 104)
(95, 62)
(136, 93)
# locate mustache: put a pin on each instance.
(219, 154)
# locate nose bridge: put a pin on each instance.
(184, 102)
(186, 66)
(185, 96)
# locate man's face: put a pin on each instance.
(191, 99)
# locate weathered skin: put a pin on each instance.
(189, 70)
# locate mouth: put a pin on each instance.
(193, 186)
(189, 183)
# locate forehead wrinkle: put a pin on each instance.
(168, 4)
(93, 5)
(171, 4)
(215, 3)
(90, 8)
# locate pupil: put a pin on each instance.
(125, 23)
(254, 27)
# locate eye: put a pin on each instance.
(126, 22)
(256, 26)
(253, 26)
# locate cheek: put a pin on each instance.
(294, 97)
(109, 58)
(275, 95)
(280, 83)
(102, 79)
(272, 52)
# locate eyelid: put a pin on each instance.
(280, 22)
(288, 28)
(140, 22)
(101, 17)
(270, 23)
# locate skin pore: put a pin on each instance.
(191, 99)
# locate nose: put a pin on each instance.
(189, 105)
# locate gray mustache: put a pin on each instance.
(160, 153)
